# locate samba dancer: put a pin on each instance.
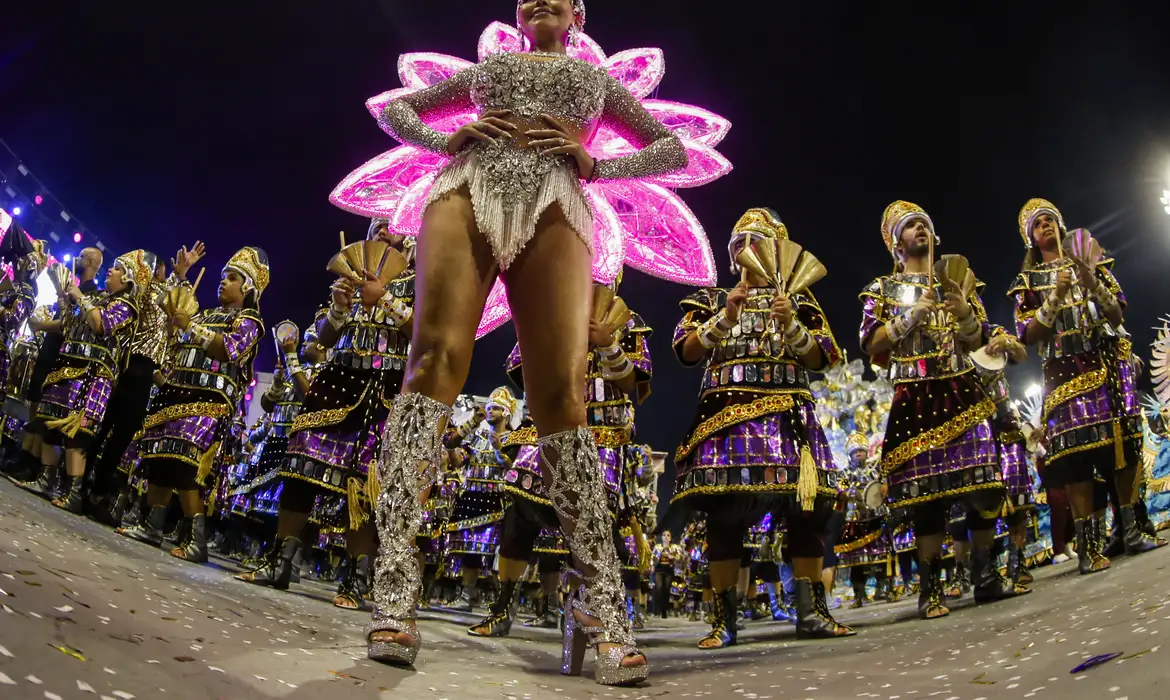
(864, 547)
(333, 439)
(755, 445)
(1069, 304)
(97, 333)
(939, 446)
(489, 211)
(618, 376)
(191, 415)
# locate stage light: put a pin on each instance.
(77, 237)
(247, 397)
(38, 199)
(1033, 391)
(66, 257)
(16, 211)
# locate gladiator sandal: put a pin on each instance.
(990, 585)
(962, 581)
(1090, 560)
(723, 629)
(1136, 541)
(275, 569)
(596, 617)
(45, 485)
(501, 612)
(349, 595)
(1023, 576)
(73, 500)
(149, 530)
(813, 619)
(411, 439)
(930, 592)
(194, 547)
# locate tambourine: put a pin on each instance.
(872, 495)
(987, 361)
(283, 331)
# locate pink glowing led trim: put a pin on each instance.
(643, 224)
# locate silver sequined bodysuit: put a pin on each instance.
(511, 186)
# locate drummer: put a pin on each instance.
(921, 322)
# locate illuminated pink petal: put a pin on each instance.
(495, 312)
(608, 248)
(688, 121)
(377, 103)
(407, 218)
(5, 222)
(704, 165)
(500, 38)
(639, 70)
(586, 49)
(376, 188)
(420, 70)
(663, 237)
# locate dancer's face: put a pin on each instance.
(914, 239)
(545, 17)
(116, 279)
(231, 288)
(160, 272)
(1045, 232)
(495, 415)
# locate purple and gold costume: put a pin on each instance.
(79, 385)
(335, 437)
(192, 413)
(939, 442)
(1091, 414)
(756, 412)
(15, 355)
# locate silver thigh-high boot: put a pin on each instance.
(407, 464)
(578, 494)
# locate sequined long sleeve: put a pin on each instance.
(116, 316)
(873, 315)
(659, 152)
(403, 117)
(698, 307)
(812, 317)
(244, 334)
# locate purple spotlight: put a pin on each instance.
(77, 237)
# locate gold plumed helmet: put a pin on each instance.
(856, 441)
(1035, 207)
(760, 222)
(138, 267)
(503, 398)
(36, 259)
(252, 263)
(895, 218)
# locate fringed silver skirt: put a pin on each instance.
(510, 188)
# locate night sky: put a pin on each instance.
(230, 122)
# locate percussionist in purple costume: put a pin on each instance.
(191, 416)
(1070, 305)
(939, 444)
(755, 445)
(97, 333)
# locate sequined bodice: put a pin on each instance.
(485, 464)
(195, 369)
(529, 85)
(370, 339)
(1080, 325)
(104, 349)
(754, 355)
(150, 337)
(929, 351)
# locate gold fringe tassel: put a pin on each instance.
(67, 426)
(641, 548)
(806, 483)
(206, 463)
(355, 498)
(1118, 446)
